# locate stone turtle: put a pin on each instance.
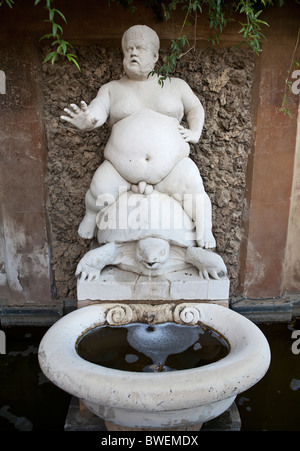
(149, 235)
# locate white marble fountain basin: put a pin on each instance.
(167, 400)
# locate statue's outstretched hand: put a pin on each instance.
(188, 135)
(81, 118)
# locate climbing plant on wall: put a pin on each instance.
(60, 47)
(218, 12)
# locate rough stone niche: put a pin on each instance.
(221, 78)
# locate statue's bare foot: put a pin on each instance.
(207, 241)
(86, 228)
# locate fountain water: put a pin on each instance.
(159, 347)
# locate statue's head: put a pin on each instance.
(140, 46)
(152, 253)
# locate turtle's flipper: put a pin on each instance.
(209, 263)
(90, 266)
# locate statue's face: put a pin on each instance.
(152, 253)
(139, 56)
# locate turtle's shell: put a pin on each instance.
(136, 216)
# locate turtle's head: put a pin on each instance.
(152, 253)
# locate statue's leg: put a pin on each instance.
(105, 188)
(185, 184)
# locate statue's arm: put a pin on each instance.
(194, 114)
(88, 117)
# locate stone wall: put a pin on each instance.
(222, 79)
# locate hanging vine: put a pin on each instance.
(219, 14)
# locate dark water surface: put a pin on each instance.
(152, 348)
(29, 402)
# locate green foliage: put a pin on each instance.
(163, 72)
(219, 13)
(60, 45)
(251, 29)
(128, 4)
(8, 2)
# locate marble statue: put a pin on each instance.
(147, 152)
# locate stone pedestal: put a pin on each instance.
(185, 285)
(82, 419)
(161, 292)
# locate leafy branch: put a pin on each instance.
(251, 29)
(178, 44)
(217, 17)
(127, 4)
(60, 45)
(8, 2)
(219, 14)
(170, 61)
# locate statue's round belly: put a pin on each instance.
(145, 146)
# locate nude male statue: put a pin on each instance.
(147, 148)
